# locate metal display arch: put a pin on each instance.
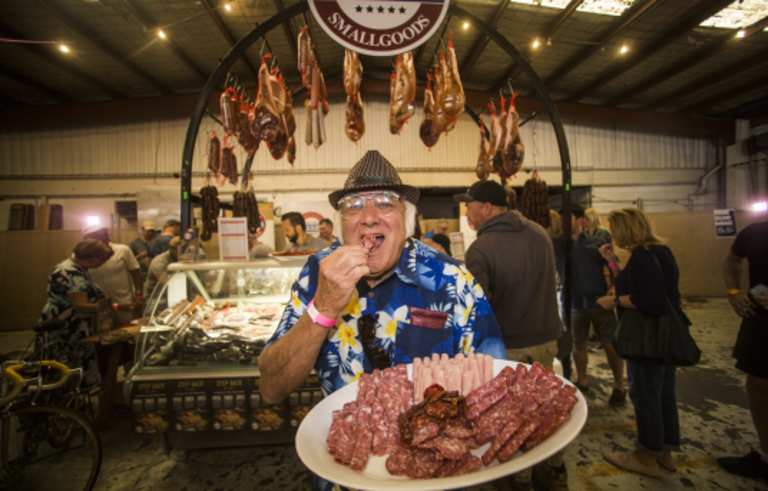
(216, 79)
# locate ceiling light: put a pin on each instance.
(465, 25)
(535, 44)
(161, 34)
(92, 220)
(741, 34)
(228, 7)
(624, 49)
(64, 48)
(759, 207)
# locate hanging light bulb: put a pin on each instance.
(161, 34)
(228, 7)
(741, 34)
(624, 49)
(536, 43)
(64, 48)
(465, 25)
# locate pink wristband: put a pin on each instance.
(319, 318)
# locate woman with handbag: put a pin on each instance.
(646, 291)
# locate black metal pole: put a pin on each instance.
(562, 143)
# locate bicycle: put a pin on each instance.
(40, 442)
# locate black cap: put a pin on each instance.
(486, 192)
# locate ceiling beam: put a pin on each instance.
(19, 78)
(702, 54)
(482, 40)
(101, 43)
(629, 16)
(701, 106)
(280, 6)
(149, 25)
(61, 63)
(700, 13)
(549, 34)
(213, 13)
(748, 110)
(710, 79)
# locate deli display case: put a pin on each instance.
(195, 365)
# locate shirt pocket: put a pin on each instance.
(417, 341)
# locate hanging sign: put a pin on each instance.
(725, 222)
(379, 27)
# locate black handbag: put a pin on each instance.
(664, 338)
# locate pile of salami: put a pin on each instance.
(369, 424)
(517, 409)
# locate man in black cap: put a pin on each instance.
(376, 298)
(514, 261)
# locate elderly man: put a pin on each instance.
(119, 276)
(326, 231)
(372, 301)
(295, 230)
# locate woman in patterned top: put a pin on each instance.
(74, 298)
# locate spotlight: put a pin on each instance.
(536, 43)
(64, 48)
(161, 34)
(759, 206)
(228, 7)
(465, 25)
(741, 34)
(624, 49)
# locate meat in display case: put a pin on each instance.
(195, 367)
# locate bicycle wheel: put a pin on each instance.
(59, 449)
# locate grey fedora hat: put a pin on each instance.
(373, 172)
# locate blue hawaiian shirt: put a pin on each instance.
(424, 279)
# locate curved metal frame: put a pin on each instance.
(217, 77)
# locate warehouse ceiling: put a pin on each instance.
(647, 54)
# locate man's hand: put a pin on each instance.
(339, 274)
(741, 304)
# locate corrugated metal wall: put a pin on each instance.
(155, 147)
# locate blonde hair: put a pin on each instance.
(630, 229)
(593, 220)
(555, 228)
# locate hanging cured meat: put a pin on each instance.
(402, 92)
(245, 205)
(211, 207)
(229, 105)
(534, 203)
(427, 129)
(228, 167)
(214, 153)
(483, 168)
(353, 77)
(312, 79)
(512, 151)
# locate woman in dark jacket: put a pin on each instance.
(648, 283)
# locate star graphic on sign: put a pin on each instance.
(391, 10)
(381, 9)
(359, 8)
(369, 9)
(402, 10)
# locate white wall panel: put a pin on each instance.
(155, 147)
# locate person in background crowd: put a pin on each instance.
(648, 283)
(565, 341)
(592, 227)
(752, 306)
(256, 248)
(427, 239)
(441, 236)
(513, 260)
(140, 245)
(120, 276)
(73, 300)
(589, 284)
(326, 231)
(171, 229)
(295, 230)
(157, 268)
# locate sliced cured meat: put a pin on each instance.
(380, 425)
(474, 411)
(451, 448)
(458, 428)
(425, 464)
(514, 444)
(501, 439)
(470, 463)
(399, 461)
(364, 438)
(424, 430)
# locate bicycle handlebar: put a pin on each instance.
(20, 383)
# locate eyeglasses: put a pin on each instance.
(377, 356)
(384, 201)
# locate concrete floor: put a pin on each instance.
(713, 412)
